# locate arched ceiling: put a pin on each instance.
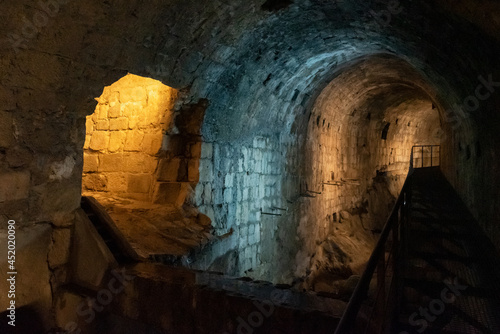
(259, 68)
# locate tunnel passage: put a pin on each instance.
(360, 134)
(259, 69)
(307, 199)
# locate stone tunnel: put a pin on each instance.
(229, 151)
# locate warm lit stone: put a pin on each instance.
(102, 111)
(116, 140)
(139, 163)
(151, 143)
(133, 141)
(89, 125)
(90, 163)
(118, 123)
(111, 162)
(139, 183)
(102, 125)
(193, 170)
(196, 149)
(94, 182)
(117, 182)
(173, 193)
(114, 111)
(99, 141)
(132, 94)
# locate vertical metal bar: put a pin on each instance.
(396, 262)
(422, 156)
(380, 303)
(431, 154)
(413, 156)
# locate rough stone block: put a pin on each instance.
(8, 99)
(169, 169)
(99, 141)
(118, 124)
(114, 111)
(218, 196)
(228, 195)
(113, 97)
(65, 316)
(132, 94)
(133, 122)
(91, 258)
(102, 111)
(152, 143)
(14, 186)
(198, 198)
(133, 141)
(94, 182)
(33, 282)
(207, 194)
(229, 180)
(59, 249)
(139, 183)
(206, 170)
(152, 115)
(117, 182)
(139, 163)
(172, 193)
(116, 140)
(86, 145)
(19, 157)
(90, 162)
(174, 144)
(6, 130)
(243, 241)
(102, 125)
(111, 162)
(193, 170)
(196, 150)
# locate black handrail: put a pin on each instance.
(377, 259)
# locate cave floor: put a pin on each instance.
(451, 277)
(164, 233)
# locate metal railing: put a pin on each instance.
(371, 307)
(377, 295)
(423, 156)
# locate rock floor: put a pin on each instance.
(155, 230)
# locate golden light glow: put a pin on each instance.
(124, 136)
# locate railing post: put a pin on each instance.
(411, 162)
(431, 154)
(380, 303)
(396, 258)
(422, 157)
(381, 310)
(439, 160)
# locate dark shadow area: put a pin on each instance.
(27, 321)
(447, 251)
(275, 5)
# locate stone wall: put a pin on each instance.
(124, 137)
(258, 69)
(237, 185)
